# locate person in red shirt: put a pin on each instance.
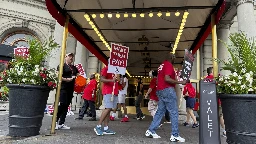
(89, 97)
(189, 93)
(167, 99)
(153, 102)
(110, 92)
(210, 78)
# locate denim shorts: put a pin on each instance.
(107, 101)
(190, 102)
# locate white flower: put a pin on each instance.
(251, 73)
(243, 86)
(239, 82)
(239, 77)
(221, 79)
(9, 80)
(36, 66)
(229, 84)
(24, 80)
(250, 89)
(243, 70)
(247, 75)
(233, 81)
(233, 89)
(33, 81)
(235, 74)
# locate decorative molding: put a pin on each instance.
(25, 23)
(224, 24)
(26, 16)
(32, 3)
(239, 2)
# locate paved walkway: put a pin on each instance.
(82, 132)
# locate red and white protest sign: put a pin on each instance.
(81, 70)
(118, 59)
(21, 51)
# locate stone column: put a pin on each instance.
(223, 53)
(92, 64)
(207, 54)
(245, 17)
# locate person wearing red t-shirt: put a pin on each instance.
(189, 93)
(110, 92)
(89, 97)
(167, 99)
(153, 102)
(209, 78)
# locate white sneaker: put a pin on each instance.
(63, 127)
(177, 139)
(56, 126)
(151, 134)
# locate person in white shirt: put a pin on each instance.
(121, 99)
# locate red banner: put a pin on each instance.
(80, 69)
(22, 52)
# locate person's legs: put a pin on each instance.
(137, 105)
(106, 121)
(83, 109)
(93, 110)
(170, 100)
(151, 132)
(64, 114)
(188, 118)
(222, 124)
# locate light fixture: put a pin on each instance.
(117, 15)
(126, 15)
(159, 14)
(101, 15)
(168, 14)
(134, 15)
(177, 13)
(93, 15)
(142, 15)
(185, 15)
(151, 14)
(110, 15)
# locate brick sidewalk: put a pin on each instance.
(127, 133)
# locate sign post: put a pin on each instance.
(209, 132)
(118, 60)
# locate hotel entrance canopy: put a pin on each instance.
(149, 28)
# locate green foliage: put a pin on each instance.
(4, 93)
(241, 65)
(31, 70)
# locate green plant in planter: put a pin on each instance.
(241, 65)
(31, 70)
(4, 93)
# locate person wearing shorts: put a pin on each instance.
(110, 85)
(121, 99)
(189, 93)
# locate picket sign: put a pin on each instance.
(50, 108)
(117, 62)
(81, 70)
(21, 51)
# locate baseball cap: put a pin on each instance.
(68, 54)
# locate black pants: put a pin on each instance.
(139, 99)
(66, 96)
(85, 106)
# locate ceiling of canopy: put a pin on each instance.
(148, 37)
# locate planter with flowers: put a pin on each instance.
(29, 83)
(237, 90)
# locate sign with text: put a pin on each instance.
(209, 130)
(187, 65)
(81, 70)
(21, 51)
(118, 59)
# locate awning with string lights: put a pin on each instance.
(149, 28)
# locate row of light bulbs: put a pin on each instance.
(88, 19)
(182, 25)
(139, 77)
(134, 15)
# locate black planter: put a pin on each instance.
(26, 109)
(239, 112)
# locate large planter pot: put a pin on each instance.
(26, 109)
(239, 116)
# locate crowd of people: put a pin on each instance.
(161, 94)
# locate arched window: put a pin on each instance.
(18, 39)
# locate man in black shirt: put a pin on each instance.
(139, 94)
(67, 89)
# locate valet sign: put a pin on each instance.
(118, 59)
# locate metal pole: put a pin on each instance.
(198, 70)
(214, 46)
(57, 96)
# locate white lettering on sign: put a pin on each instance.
(117, 62)
(210, 127)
